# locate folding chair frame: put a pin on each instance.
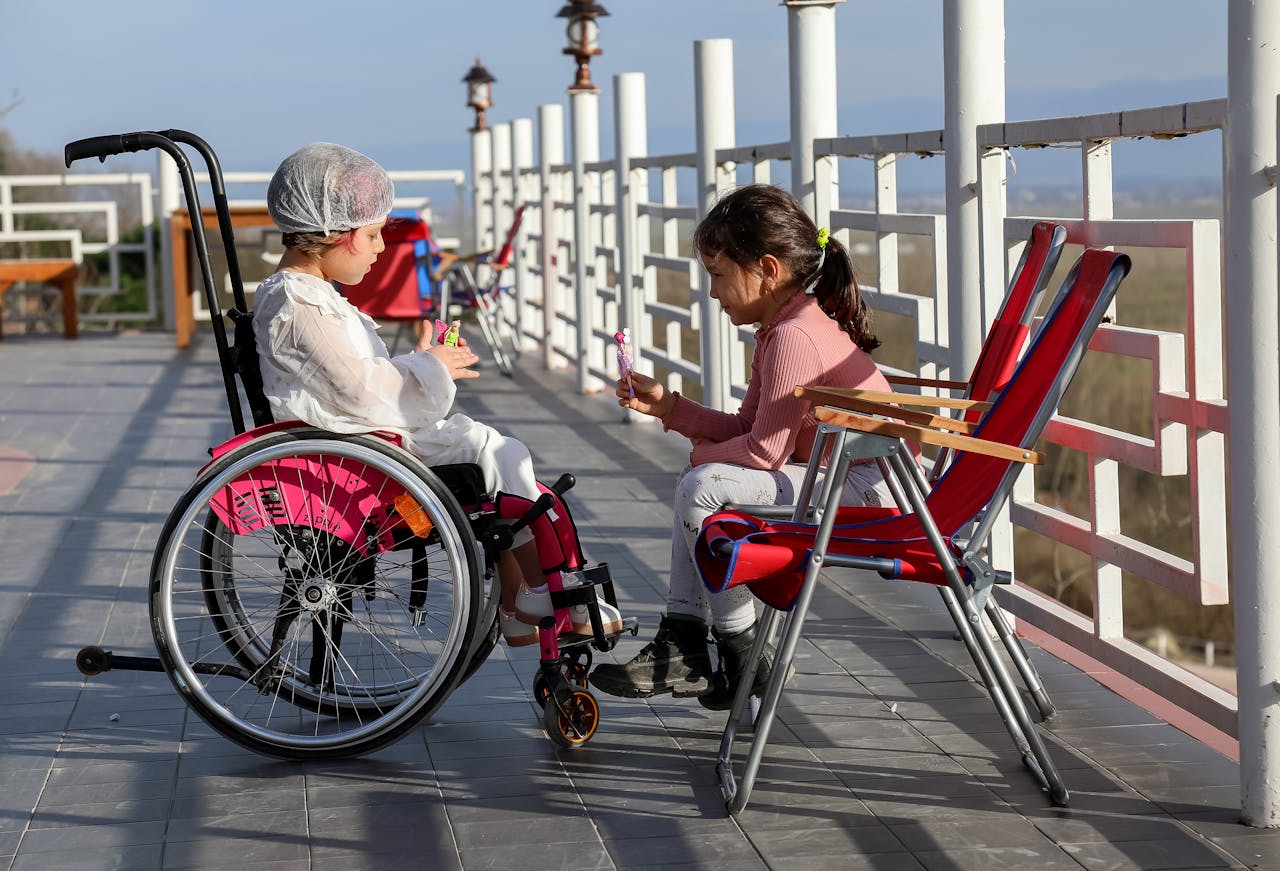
(500, 333)
(966, 602)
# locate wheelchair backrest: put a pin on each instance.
(244, 360)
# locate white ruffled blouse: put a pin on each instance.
(323, 362)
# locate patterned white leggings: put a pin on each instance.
(702, 491)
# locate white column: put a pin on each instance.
(1253, 389)
(811, 53)
(632, 137)
(584, 119)
(481, 190)
(169, 187)
(521, 160)
(973, 68)
(714, 111)
(503, 188)
(550, 153)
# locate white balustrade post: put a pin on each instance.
(521, 161)
(714, 111)
(500, 142)
(973, 68)
(811, 53)
(632, 137)
(550, 154)
(168, 189)
(1253, 388)
(481, 190)
(584, 120)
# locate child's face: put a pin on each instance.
(739, 291)
(351, 259)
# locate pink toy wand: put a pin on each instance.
(623, 338)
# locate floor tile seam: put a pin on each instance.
(44, 786)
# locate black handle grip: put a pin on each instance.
(544, 504)
(101, 147)
(563, 484)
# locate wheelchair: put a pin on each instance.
(315, 595)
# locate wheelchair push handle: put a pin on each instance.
(103, 147)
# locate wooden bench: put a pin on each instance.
(61, 274)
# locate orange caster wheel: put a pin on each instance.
(571, 721)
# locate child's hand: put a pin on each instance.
(456, 358)
(650, 398)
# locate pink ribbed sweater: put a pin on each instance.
(801, 347)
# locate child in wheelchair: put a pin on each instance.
(323, 362)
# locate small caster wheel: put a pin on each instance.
(571, 722)
(93, 660)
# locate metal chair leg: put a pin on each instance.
(1004, 694)
(736, 793)
(1018, 654)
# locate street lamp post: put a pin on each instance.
(584, 39)
(479, 83)
(479, 92)
(583, 35)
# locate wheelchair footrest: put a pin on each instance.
(585, 587)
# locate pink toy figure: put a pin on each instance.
(447, 334)
(623, 338)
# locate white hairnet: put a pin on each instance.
(327, 188)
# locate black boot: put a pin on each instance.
(676, 661)
(734, 650)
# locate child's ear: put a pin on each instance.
(771, 267)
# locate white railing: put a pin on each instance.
(106, 229)
(643, 233)
(1189, 411)
(97, 229)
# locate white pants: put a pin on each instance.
(703, 490)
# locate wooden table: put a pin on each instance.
(61, 274)
(182, 246)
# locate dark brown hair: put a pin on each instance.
(761, 219)
(311, 244)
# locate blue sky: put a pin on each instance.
(257, 78)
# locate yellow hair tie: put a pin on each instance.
(824, 236)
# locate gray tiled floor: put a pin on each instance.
(886, 754)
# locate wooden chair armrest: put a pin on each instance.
(853, 420)
(824, 396)
(914, 381)
(904, 398)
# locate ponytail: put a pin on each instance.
(835, 287)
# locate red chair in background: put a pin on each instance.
(401, 287)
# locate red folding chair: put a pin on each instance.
(463, 289)
(995, 365)
(933, 541)
(400, 288)
(1012, 326)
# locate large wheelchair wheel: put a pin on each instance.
(288, 634)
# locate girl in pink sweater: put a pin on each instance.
(769, 265)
